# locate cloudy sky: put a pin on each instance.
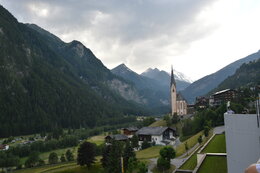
(197, 37)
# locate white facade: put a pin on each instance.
(157, 139)
(242, 141)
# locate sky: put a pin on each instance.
(196, 37)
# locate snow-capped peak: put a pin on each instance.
(180, 76)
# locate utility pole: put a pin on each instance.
(122, 164)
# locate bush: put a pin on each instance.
(145, 145)
(53, 158)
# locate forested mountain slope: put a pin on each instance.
(46, 83)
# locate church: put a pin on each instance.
(178, 103)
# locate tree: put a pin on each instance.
(128, 153)
(132, 164)
(62, 158)
(41, 162)
(187, 148)
(200, 139)
(114, 158)
(206, 131)
(53, 158)
(163, 164)
(142, 168)
(32, 160)
(69, 155)
(145, 145)
(166, 154)
(86, 154)
(134, 142)
(105, 156)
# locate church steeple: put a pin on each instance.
(172, 77)
(173, 94)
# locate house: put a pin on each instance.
(130, 131)
(117, 137)
(4, 147)
(157, 135)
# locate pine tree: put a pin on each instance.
(62, 158)
(134, 142)
(114, 159)
(53, 158)
(128, 153)
(69, 155)
(86, 154)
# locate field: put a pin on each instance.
(100, 139)
(49, 168)
(45, 155)
(214, 164)
(216, 145)
(148, 153)
(191, 163)
(191, 142)
(158, 123)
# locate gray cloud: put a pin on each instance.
(141, 33)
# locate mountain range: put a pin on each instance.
(47, 83)
(182, 81)
(247, 75)
(206, 84)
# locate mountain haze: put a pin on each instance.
(155, 93)
(207, 83)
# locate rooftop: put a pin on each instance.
(152, 130)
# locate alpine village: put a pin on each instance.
(63, 111)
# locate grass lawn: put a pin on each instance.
(97, 168)
(49, 168)
(155, 170)
(148, 153)
(191, 142)
(191, 163)
(158, 123)
(214, 164)
(45, 155)
(100, 139)
(216, 145)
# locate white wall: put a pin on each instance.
(242, 141)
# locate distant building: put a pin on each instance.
(157, 135)
(178, 103)
(202, 102)
(242, 140)
(4, 147)
(224, 96)
(130, 131)
(117, 137)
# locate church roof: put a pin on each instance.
(180, 97)
(172, 78)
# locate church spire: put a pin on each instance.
(172, 77)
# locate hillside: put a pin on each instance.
(207, 83)
(163, 78)
(247, 75)
(46, 83)
(155, 94)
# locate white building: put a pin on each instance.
(242, 141)
(157, 135)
